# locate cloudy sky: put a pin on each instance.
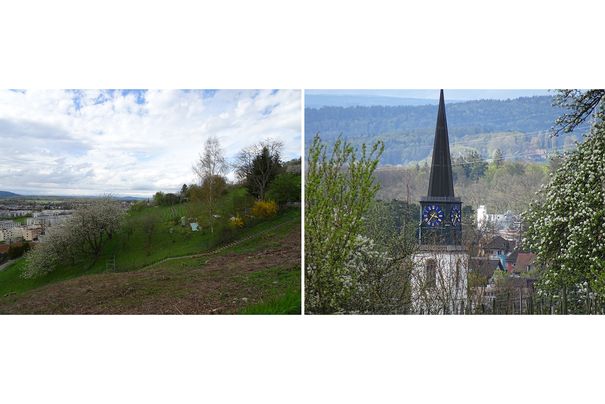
(128, 142)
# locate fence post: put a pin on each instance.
(507, 300)
(564, 300)
(551, 309)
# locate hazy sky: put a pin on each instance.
(131, 142)
(434, 94)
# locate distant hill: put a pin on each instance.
(519, 127)
(328, 100)
(4, 194)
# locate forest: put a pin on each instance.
(518, 127)
(500, 185)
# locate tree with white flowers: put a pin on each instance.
(82, 236)
(566, 224)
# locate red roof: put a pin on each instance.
(523, 260)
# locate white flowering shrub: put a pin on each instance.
(566, 226)
(339, 190)
(58, 246)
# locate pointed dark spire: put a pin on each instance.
(441, 183)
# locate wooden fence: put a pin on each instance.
(514, 302)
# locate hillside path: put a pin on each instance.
(219, 249)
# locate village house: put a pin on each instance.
(483, 268)
(497, 249)
(501, 256)
(524, 263)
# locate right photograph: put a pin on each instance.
(455, 201)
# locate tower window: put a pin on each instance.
(431, 273)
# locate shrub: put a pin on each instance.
(285, 188)
(236, 222)
(264, 208)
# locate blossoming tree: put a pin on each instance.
(566, 224)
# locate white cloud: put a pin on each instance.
(93, 142)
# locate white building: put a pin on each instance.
(508, 225)
(47, 220)
(11, 234)
(8, 224)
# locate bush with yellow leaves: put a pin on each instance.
(264, 209)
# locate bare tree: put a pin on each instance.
(580, 104)
(210, 169)
(258, 164)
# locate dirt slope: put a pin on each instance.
(219, 284)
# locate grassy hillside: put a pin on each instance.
(260, 275)
(135, 248)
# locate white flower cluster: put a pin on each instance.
(567, 227)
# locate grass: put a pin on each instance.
(284, 291)
(21, 219)
(285, 303)
(11, 281)
(133, 249)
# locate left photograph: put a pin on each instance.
(150, 201)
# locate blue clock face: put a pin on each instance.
(455, 215)
(432, 215)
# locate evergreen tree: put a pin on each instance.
(258, 166)
(498, 157)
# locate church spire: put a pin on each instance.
(441, 183)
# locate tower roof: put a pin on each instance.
(441, 183)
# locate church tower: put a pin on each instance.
(439, 278)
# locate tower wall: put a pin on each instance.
(445, 291)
